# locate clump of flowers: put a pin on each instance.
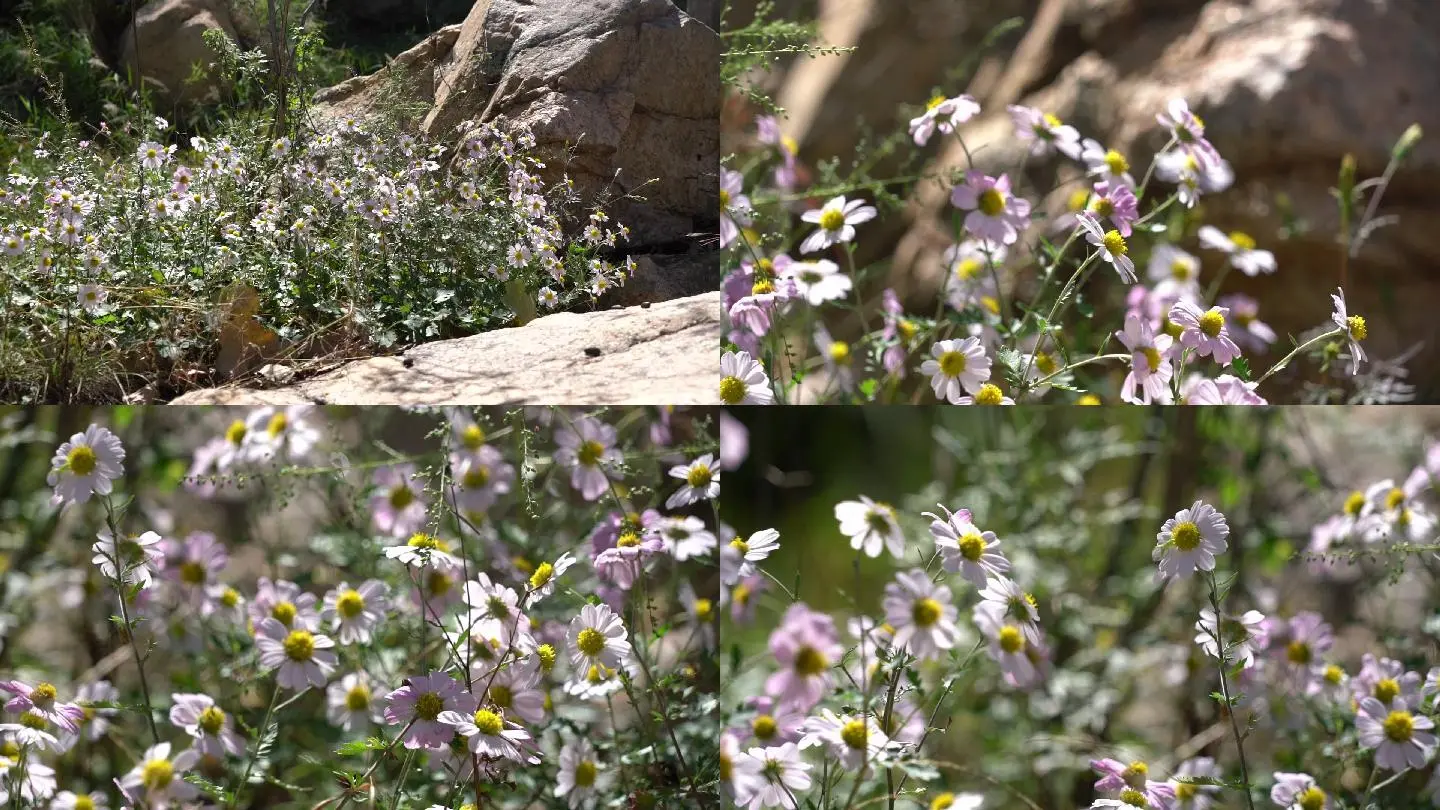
(496, 658)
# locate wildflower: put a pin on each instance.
(284, 432)
(1234, 639)
(1014, 604)
(964, 548)
(152, 155)
(1355, 330)
(587, 446)
(961, 801)
(1189, 541)
(488, 734)
(743, 380)
(1193, 795)
(212, 728)
(956, 364)
(1241, 248)
(870, 525)
(838, 359)
(422, 700)
(302, 658)
(1111, 245)
(746, 553)
(85, 465)
(855, 741)
(1249, 331)
(284, 602)
(1223, 390)
(398, 506)
(597, 636)
(1204, 331)
(944, 114)
(581, 781)
(1298, 791)
(989, 394)
(42, 700)
(1110, 165)
(1193, 176)
(1008, 645)
(995, 215)
(349, 703)
(921, 613)
(96, 720)
(1116, 202)
(548, 298)
(702, 482)
(1188, 131)
(806, 646)
(155, 780)
(734, 206)
(971, 280)
(67, 800)
(1044, 132)
(686, 537)
(354, 612)
(818, 281)
(837, 221)
(1150, 368)
(1386, 680)
(194, 563)
(479, 478)
(769, 777)
(129, 559)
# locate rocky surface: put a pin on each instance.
(663, 353)
(630, 86)
(1286, 88)
(170, 39)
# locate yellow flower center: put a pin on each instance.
(1357, 326)
(1186, 790)
(422, 540)
(972, 546)
(590, 453)
(832, 219)
(925, 612)
(428, 706)
(1399, 726)
(732, 390)
(724, 198)
(810, 661)
(1186, 536)
(83, 802)
(703, 609)
(358, 698)
(590, 641)
(952, 363)
(934, 102)
(992, 202)
(989, 395)
(500, 695)
(1333, 674)
(1103, 206)
(628, 540)
(1045, 362)
(1312, 799)
(968, 268)
(764, 727)
(283, 612)
(1243, 241)
(235, 434)
(1180, 270)
(546, 654)
(585, 773)
(278, 424)
(299, 645)
(1152, 357)
(476, 476)
(1011, 640)
(30, 719)
(906, 329)
(1116, 162)
(1298, 652)
(230, 598)
(840, 352)
(192, 573)
(1394, 498)
(1136, 774)
(488, 722)
(699, 476)
(1115, 243)
(740, 546)
(1052, 121)
(1211, 323)
(855, 734)
(1386, 690)
(81, 460)
(541, 576)
(401, 497)
(762, 287)
(1354, 503)
(212, 720)
(350, 604)
(473, 436)
(1089, 399)
(157, 774)
(1134, 798)
(43, 693)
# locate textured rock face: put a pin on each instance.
(1286, 88)
(631, 86)
(663, 353)
(170, 34)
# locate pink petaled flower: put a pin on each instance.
(1117, 203)
(1111, 245)
(212, 728)
(1298, 791)
(1189, 131)
(1204, 331)
(1223, 390)
(1044, 132)
(1008, 644)
(422, 700)
(1124, 780)
(1150, 368)
(286, 603)
(734, 206)
(944, 114)
(488, 734)
(398, 505)
(354, 612)
(1401, 739)
(43, 699)
(624, 563)
(302, 658)
(966, 550)
(806, 645)
(837, 220)
(192, 565)
(478, 478)
(1386, 680)
(995, 215)
(587, 447)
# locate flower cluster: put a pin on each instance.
(439, 622)
(801, 311)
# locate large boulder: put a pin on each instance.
(166, 41)
(664, 352)
(629, 88)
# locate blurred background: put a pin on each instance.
(1286, 88)
(1076, 496)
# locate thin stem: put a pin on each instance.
(365, 777)
(1066, 293)
(1225, 693)
(404, 775)
(259, 740)
(125, 618)
(1298, 349)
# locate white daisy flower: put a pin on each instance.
(587, 447)
(1241, 248)
(354, 612)
(597, 636)
(870, 525)
(1189, 541)
(138, 558)
(1111, 245)
(1402, 740)
(956, 364)
(702, 482)
(853, 740)
(303, 658)
(837, 221)
(86, 465)
(1241, 636)
(155, 780)
(212, 728)
(1355, 330)
(818, 281)
(965, 549)
(746, 553)
(581, 780)
(542, 579)
(424, 551)
(743, 380)
(921, 613)
(350, 704)
(488, 734)
(770, 777)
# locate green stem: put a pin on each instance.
(259, 740)
(1298, 349)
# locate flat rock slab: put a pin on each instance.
(661, 354)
